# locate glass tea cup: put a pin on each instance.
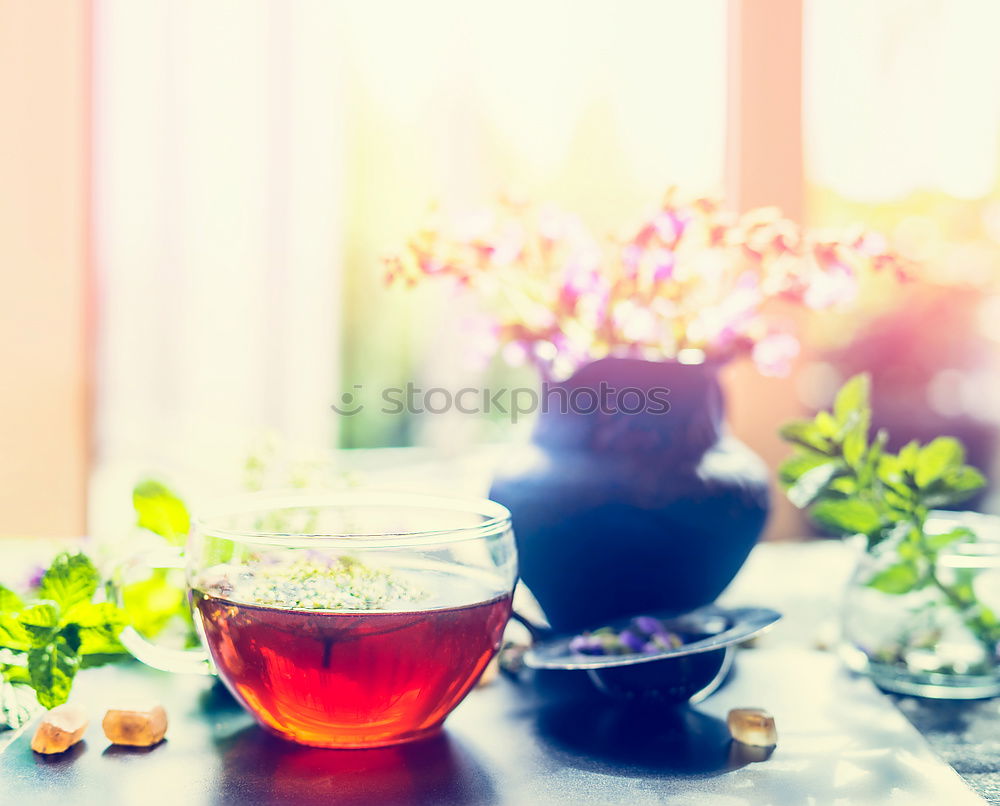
(349, 619)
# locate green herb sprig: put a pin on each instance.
(155, 603)
(47, 639)
(850, 484)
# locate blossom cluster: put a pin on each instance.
(693, 282)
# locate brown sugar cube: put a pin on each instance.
(60, 729)
(143, 726)
(752, 726)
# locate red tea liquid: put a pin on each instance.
(350, 679)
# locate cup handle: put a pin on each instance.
(167, 659)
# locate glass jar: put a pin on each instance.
(933, 634)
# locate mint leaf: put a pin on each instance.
(158, 509)
(848, 516)
(53, 666)
(845, 485)
(826, 425)
(9, 601)
(964, 479)
(852, 400)
(39, 621)
(908, 457)
(13, 673)
(152, 603)
(899, 578)
(812, 483)
(60, 633)
(100, 625)
(957, 485)
(12, 635)
(938, 542)
(102, 614)
(95, 659)
(71, 579)
(807, 435)
(793, 468)
(890, 470)
(937, 456)
(855, 447)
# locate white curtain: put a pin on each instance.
(217, 174)
(234, 140)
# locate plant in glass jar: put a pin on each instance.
(918, 614)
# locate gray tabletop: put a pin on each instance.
(534, 741)
(802, 580)
(964, 734)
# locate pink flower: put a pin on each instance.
(663, 263)
(774, 354)
(692, 276)
(670, 225)
(837, 285)
(631, 255)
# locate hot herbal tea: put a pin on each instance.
(339, 654)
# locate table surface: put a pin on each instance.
(805, 581)
(548, 741)
(506, 741)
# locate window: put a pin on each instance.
(902, 128)
(253, 160)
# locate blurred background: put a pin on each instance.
(196, 195)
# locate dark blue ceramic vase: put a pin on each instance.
(619, 512)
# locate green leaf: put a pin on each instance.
(71, 579)
(826, 425)
(855, 446)
(939, 455)
(852, 399)
(964, 479)
(799, 464)
(10, 602)
(987, 617)
(867, 470)
(805, 434)
(95, 659)
(898, 578)
(152, 603)
(12, 635)
(845, 486)
(889, 469)
(40, 622)
(909, 456)
(53, 666)
(957, 485)
(938, 542)
(100, 625)
(811, 484)
(847, 516)
(16, 704)
(13, 673)
(56, 633)
(161, 511)
(102, 614)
